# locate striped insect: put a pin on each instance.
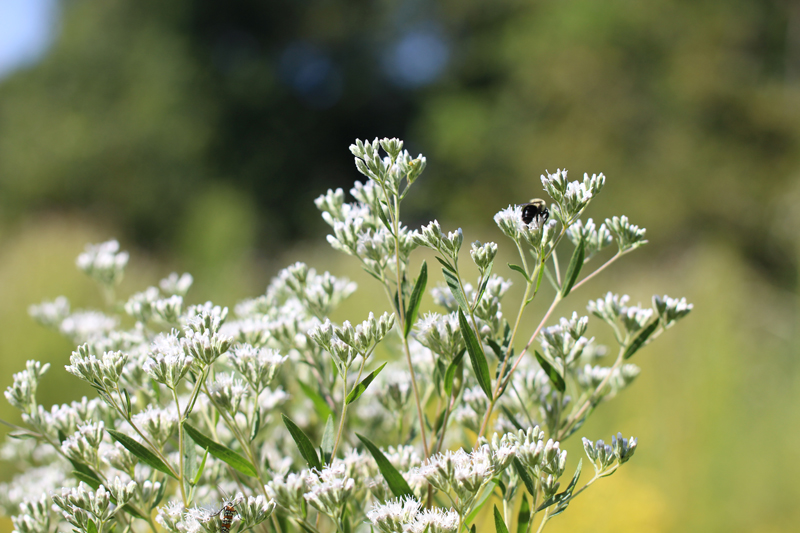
(228, 512)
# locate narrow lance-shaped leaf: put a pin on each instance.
(162, 489)
(361, 387)
(328, 438)
(523, 475)
(450, 375)
(452, 282)
(140, 451)
(641, 339)
(397, 483)
(511, 417)
(499, 523)
(415, 299)
(521, 270)
(552, 373)
(190, 465)
(486, 275)
(303, 443)
(481, 501)
(320, 405)
(574, 268)
(564, 496)
(524, 516)
(220, 451)
(445, 264)
(256, 425)
(476, 355)
(202, 467)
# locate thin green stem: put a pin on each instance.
(344, 413)
(545, 518)
(600, 269)
(448, 407)
(401, 318)
(181, 480)
(130, 422)
(556, 267)
(572, 419)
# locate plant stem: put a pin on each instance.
(448, 407)
(402, 318)
(572, 419)
(600, 269)
(545, 518)
(503, 382)
(344, 412)
(181, 480)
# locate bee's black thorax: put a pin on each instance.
(536, 209)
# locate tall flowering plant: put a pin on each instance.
(276, 418)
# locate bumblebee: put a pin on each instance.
(537, 210)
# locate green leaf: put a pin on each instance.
(303, 443)
(574, 268)
(481, 501)
(416, 298)
(385, 220)
(361, 387)
(552, 373)
(92, 481)
(521, 270)
(582, 420)
(190, 465)
(140, 451)
(499, 523)
(91, 527)
(452, 282)
(320, 405)
(160, 494)
(445, 264)
(397, 483)
(511, 417)
(127, 398)
(482, 288)
(562, 498)
(202, 467)
(476, 355)
(256, 425)
(371, 273)
(328, 438)
(221, 452)
(524, 516)
(86, 471)
(306, 528)
(539, 279)
(450, 375)
(641, 339)
(523, 475)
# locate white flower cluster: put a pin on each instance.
(187, 395)
(407, 516)
(103, 262)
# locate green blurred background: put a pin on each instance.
(199, 133)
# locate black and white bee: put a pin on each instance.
(537, 210)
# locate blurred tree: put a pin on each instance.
(686, 105)
(691, 107)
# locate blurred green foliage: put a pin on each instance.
(182, 128)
